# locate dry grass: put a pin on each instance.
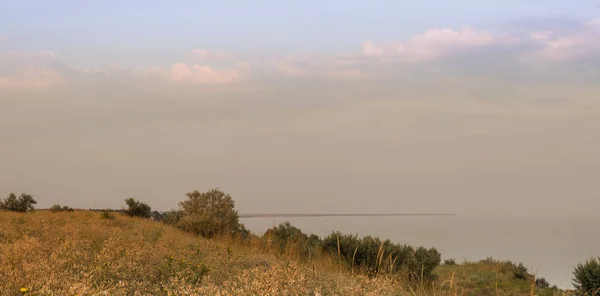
(82, 253)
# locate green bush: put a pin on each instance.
(208, 214)
(137, 209)
(23, 203)
(520, 272)
(587, 277)
(286, 237)
(375, 255)
(450, 262)
(58, 208)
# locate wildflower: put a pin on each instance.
(23, 290)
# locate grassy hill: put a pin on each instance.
(89, 253)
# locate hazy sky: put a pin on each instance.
(318, 106)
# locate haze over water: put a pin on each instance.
(547, 246)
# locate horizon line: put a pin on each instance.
(267, 215)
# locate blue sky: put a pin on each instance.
(139, 32)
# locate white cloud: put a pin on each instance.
(432, 44)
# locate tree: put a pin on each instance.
(587, 277)
(22, 204)
(209, 213)
(137, 209)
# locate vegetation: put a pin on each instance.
(587, 277)
(23, 203)
(58, 208)
(137, 209)
(286, 238)
(208, 214)
(209, 252)
(107, 215)
(375, 256)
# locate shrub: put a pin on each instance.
(450, 262)
(137, 209)
(58, 208)
(376, 256)
(520, 272)
(286, 237)
(24, 203)
(587, 277)
(423, 264)
(171, 217)
(107, 215)
(242, 233)
(209, 214)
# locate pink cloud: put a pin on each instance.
(431, 45)
(202, 74)
(557, 47)
(29, 70)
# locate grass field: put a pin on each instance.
(88, 253)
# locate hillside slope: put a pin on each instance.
(86, 253)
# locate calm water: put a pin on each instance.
(549, 246)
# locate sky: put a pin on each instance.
(487, 107)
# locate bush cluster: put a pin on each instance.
(58, 208)
(23, 203)
(286, 237)
(376, 256)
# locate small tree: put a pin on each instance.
(587, 277)
(22, 204)
(137, 209)
(209, 213)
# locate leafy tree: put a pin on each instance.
(587, 277)
(137, 209)
(22, 204)
(209, 213)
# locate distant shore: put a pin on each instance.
(336, 215)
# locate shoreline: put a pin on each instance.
(298, 215)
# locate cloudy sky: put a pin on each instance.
(463, 106)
